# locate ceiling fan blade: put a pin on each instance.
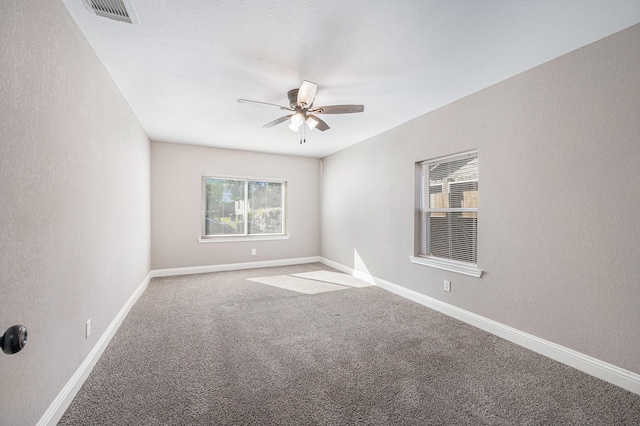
(306, 94)
(278, 121)
(338, 109)
(247, 101)
(322, 126)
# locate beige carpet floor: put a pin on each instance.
(224, 349)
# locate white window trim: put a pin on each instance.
(470, 269)
(245, 237)
(241, 238)
(448, 265)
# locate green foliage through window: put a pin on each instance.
(243, 207)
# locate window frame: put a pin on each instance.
(421, 232)
(204, 238)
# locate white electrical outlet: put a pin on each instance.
(88, 328)
(253, 252)
(447, 285)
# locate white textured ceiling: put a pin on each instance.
(183, 68)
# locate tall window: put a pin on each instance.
(236, 207)
(449, 212)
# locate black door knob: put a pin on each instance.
(14, 339)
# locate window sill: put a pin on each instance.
(448, 265)
(242, 238)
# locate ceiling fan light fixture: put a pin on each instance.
(293, 127)
(311, 122)
(297, 119)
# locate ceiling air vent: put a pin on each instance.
(120, 10)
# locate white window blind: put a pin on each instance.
(449, 208)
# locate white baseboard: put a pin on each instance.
(231, 267)
(340, 267)
(592, 366)
(59, 405)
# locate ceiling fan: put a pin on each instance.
(303, 113)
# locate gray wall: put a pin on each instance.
(176, 205)
(559, 222)
(74, 202)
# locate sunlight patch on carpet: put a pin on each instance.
(333, 277)
(300, 285)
